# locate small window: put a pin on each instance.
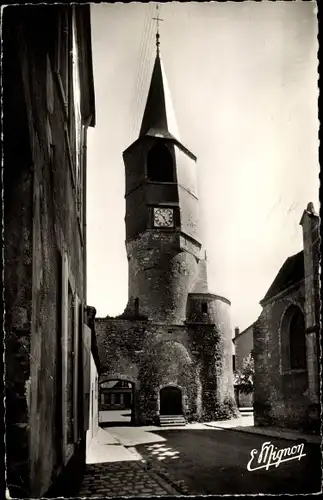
(204, 307)
(160, 165)
(136, 306)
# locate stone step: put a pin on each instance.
(171, 420)
(171, 416)
(245, 410)
(172, 424)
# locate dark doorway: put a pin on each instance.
(171, 401)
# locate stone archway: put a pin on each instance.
(116, 402)
(171, 400)
(118, 393)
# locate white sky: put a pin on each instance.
(243, 80)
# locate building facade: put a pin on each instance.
(173, 341)
(91, 374)
(48, 101)
(115, 395)
(243, 343)
(287, 340)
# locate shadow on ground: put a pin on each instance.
(103, 425)
(215, 462)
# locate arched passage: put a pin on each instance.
(116, 402)
(173, 378)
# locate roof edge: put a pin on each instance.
(171, 139)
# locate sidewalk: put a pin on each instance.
(245, 423)
(105, 447)
(112, 470)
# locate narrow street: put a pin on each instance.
(194, 460)
(212, 461)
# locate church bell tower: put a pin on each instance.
(162, 211)
(173, 341)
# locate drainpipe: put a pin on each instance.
(84, 166)
(86, 125)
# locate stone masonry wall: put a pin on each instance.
(152, 356)
(281, 396)
(55, 230)
(41, 225)
(160, 276)
(311, 240)
(17, 296)
(18, 199)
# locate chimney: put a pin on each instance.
(236, 331)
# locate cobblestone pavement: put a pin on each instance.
(117, 479)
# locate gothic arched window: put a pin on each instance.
(160, 165)
(293, 340)
(297, 340)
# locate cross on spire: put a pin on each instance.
(157, 19)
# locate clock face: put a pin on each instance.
(163, 217)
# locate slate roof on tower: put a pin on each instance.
(159, 117)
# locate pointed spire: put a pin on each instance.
(159, 117)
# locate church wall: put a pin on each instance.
(311, 241)
(280, 397)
